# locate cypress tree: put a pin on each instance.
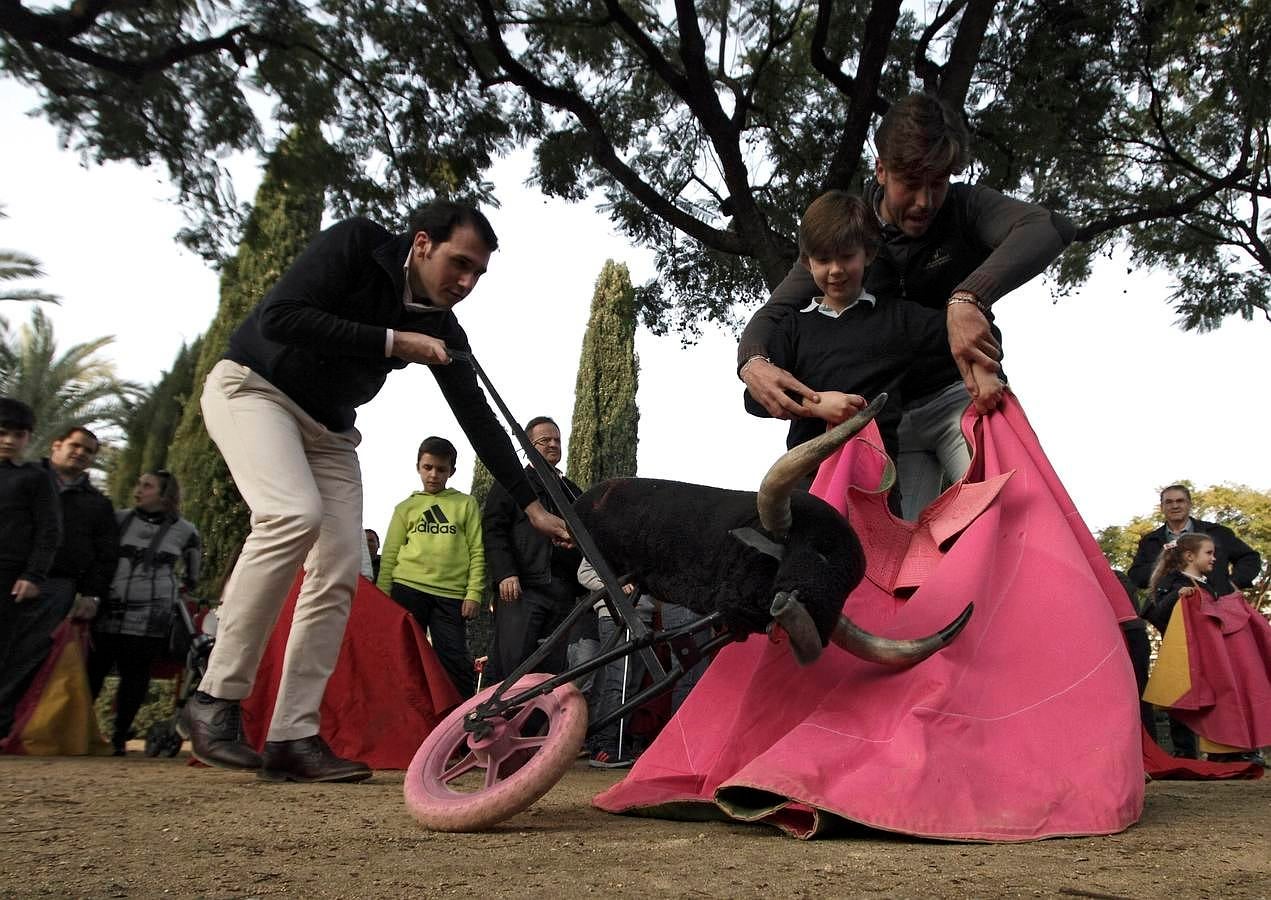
(150, 428)
(482, 481)
(481, 628)
(604, 432)
(286, 214)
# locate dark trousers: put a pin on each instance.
(441, 617)
(26, 631)
(519, 626)
(674, 616)
(1136, 641)
(132, 656)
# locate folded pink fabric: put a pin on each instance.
(1025, 727)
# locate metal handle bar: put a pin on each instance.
(551, 483)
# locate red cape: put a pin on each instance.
(55, 716)
(388, 690)
(1228, 666)
(1025, 727)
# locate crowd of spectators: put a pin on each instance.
(68, 554)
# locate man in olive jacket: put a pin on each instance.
(356, 304)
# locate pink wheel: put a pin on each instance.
(457, 782)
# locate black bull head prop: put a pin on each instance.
(777, 558)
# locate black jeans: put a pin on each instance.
(519, 626)
(441, 617)
(132, 656)
(1136, 641)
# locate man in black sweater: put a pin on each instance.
(535, 581)
(85, 563)
(30, 531)
(357, 303)
(954, 248)
(81, 570)
(1236, 564)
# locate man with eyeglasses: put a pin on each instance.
(536, 581)
(357, 303)
(1236, 566)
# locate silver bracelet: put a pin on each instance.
(742, 370)
(967, 298)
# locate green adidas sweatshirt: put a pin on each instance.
(434, 545)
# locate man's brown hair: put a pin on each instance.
(922, 136)
(836, 223)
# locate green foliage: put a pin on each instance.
(482, 481)
(150, 427)
(1243, 509)
(707, 128)
(481, 628)
(77, 387)
(604, 433)
(16, 265)
(158, 706)
(287, 213)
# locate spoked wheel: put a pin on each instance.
(458, 782)
(162, 739)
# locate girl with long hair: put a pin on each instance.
(1212, 669)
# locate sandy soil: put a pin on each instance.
(138, 827)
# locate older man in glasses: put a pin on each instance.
(535, 580)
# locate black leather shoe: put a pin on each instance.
(308, 760)
(215, 731)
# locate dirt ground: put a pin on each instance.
(138, 827)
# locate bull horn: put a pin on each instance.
(774, 491)
(890, 652)
(794, 617)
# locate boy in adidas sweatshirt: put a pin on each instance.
(433, 562)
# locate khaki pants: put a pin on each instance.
(304, 487)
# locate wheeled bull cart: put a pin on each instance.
(498, 752)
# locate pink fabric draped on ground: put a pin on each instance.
(1025, 727)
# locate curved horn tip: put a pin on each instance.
(950, 631)
(796, 622)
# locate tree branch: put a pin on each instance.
(955, 80)
(875, 41)
(1165, 211)
(602, 148)
(927, 70)
(54, 31)
(821, 61)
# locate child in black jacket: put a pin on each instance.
(30, 530)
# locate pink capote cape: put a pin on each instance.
(388, 690)
(1025, 727)
(1223, 646)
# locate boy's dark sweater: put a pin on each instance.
(868, 349)
(30, 521)
(980, 241)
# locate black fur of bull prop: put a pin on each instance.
(777, 558)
